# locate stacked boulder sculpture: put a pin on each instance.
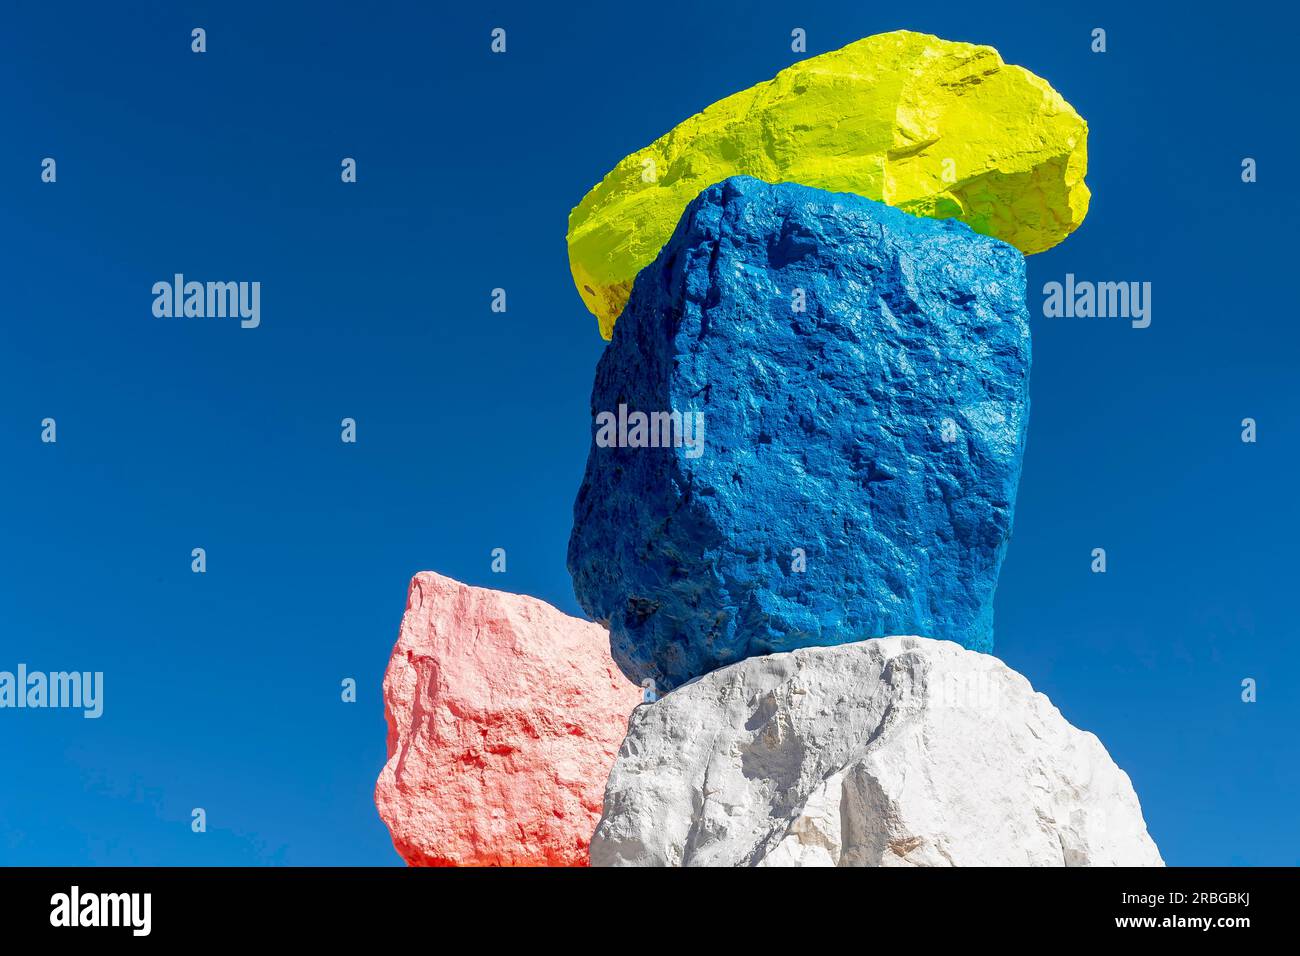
(807, 436)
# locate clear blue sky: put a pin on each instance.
(222, 690)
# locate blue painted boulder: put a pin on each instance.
(833, 398)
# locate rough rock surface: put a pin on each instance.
(504, 716)
(931, 126)
(879, 431)
(895, 752)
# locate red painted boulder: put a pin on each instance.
(504, 718)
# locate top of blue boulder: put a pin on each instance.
(835, 397)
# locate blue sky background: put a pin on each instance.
(222, 690)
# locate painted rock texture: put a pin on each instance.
(895, 752)
(930, 126)
(504, 716)
(862, 378)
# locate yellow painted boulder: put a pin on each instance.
(933, 127)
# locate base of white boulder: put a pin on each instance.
(900, 751)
